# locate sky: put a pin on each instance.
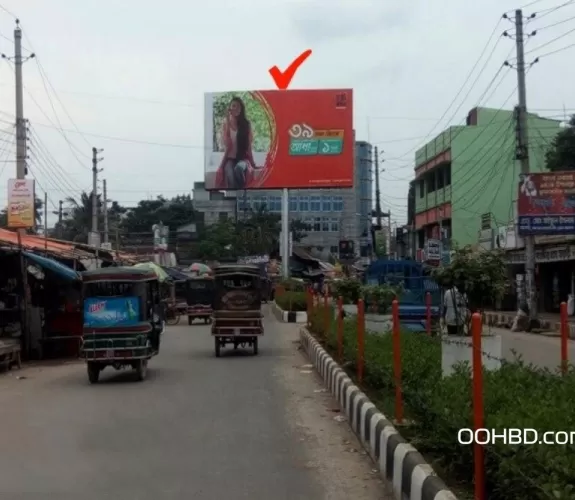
(129, 78)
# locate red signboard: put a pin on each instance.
(273, 139)
(546, 203)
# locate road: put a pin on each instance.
(541, 350)
(237, 427)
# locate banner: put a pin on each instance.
(21, 213)
(274, 139)
(546, 203)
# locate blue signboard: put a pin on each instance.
(546, 224)
(106, 312)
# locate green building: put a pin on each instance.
(466, 178)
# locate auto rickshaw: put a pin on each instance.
(200, 298)
(237, 316)
(123, 319)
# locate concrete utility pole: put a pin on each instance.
(377, 191)
(523, 156)
(95, 170)
(21, 149)
(60, 213)
(105, 209)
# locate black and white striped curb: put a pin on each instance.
(289, 316)
(399, 463)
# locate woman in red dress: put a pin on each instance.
(237, 166)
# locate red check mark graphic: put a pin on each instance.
(282, 79)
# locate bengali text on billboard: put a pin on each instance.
(21, 213)
(274, 139)
(546, 203)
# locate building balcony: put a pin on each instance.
(433, 199)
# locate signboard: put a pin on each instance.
(274, 139)
(105, 312)
(546, 203)
(433, 250)
(346, 250)
(380, 242)
(161, 234)
(21, 197)
(254, 259)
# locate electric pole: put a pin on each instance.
(95, 240)
(523, 156)
(377, 192)
(105, 209)
(60, 213)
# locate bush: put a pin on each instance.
(292, 301)
(516, 396)
(349, 289)
(292, 285)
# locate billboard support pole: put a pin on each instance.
(523, 156)
(284, 243)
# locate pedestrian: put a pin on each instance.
(455, 312)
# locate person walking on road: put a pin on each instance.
(455, 311)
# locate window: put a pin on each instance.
(326, 204)
(241, 204)
(293, 202)
(421, 189)
(333, 250)
(337, 203)
(325, 224)
(431, 182)
(264, 203)
(315, 203)
(256, 202)
(275, 204)
(309, 223)
(317, 224)
(222, 216)
(334, 225)
(304, 203)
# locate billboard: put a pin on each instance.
(274, 139)
(546, 203)
(21, 213)
(101, 312)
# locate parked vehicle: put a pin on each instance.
(123, 319)
(200, 298)
(237, 316)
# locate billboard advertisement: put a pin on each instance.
(21, 213)
(546, 203)
(101, 312)
(274, 139)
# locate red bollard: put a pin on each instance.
(564, 339)
(428, 313)
(360, 339)
(478, 415)
(396, 332)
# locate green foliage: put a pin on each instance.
(293, 285)
(482, 275)
(348, 289)
(516, 396)
(561, 155)
(256, 113)
(292, 301)
(299, 229)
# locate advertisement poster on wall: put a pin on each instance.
(21, 213)
(274, 139)
(546, 203)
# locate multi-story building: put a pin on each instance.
(331, 214)
(214, 205)
(466, 178)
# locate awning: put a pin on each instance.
(53, 266)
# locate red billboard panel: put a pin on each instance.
(546, 203)
(274, 139)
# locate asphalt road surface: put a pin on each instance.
(237, 427)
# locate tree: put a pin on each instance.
(38, 215)
(561, 154)
(480, 274)
(299, 230)
(77, 224)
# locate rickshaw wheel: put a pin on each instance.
(218, 347)
(141, 369)
(93, 373)
(255, 344)
(174, 320)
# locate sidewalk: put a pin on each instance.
(549, 323)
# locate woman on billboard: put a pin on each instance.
(237, 166)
